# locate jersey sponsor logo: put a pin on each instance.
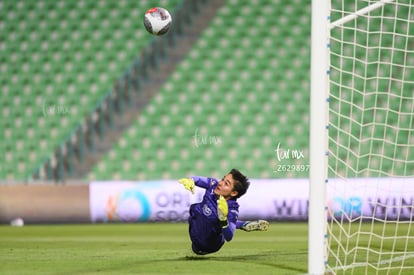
(206, 210)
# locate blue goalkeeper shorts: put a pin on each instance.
(205, 234)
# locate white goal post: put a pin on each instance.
(361, 200)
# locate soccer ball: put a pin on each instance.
(157, 21)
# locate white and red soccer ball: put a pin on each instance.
(157, 21)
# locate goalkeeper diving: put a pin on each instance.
(214, 220)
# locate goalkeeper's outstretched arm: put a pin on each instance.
(191, 182)
(203, 182)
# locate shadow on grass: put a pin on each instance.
(274, 259)
(268, 258)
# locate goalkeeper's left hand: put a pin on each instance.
(222, 211)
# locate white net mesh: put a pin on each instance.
(371, 137)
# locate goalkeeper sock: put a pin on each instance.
(239, 224)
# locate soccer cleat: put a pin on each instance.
(259, 225)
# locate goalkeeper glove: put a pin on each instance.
(188, 184)
(222, 211)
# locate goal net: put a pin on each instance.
(370, 186)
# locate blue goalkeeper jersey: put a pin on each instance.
(206, 232)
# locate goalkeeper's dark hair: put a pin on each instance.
(241, 182)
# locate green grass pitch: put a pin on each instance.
(147, 248)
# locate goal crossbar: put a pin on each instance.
(360, 12)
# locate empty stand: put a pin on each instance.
(237, 95)
(59, 60)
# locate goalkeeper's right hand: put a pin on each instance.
(222, 211)
(188, 184)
